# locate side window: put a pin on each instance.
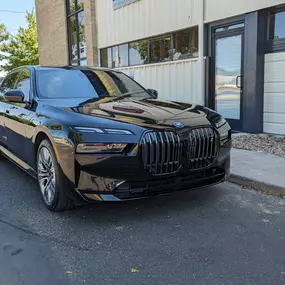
(24, 84)
(9, 82)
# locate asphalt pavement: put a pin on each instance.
(219, 235)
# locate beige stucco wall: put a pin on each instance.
(222, 9)
(52, 32)
(91, 32)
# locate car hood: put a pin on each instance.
(145, 112)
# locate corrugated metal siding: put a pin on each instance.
(142, 19)
(177, 81)
(221, 9)
(274, 93)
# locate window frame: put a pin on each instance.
(9, 74)
(272, 45)
(30, 91)
(68, 17)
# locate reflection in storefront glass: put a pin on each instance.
(228, 69)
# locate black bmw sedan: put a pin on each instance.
(90, 134)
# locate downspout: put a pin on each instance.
(201, 53)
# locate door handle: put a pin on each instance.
(237, 81)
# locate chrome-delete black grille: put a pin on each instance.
(161, 152)
(202, 147)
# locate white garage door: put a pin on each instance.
(274, 93)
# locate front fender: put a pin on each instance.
(63, 147)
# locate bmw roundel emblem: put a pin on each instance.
(178, 125)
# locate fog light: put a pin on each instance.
(101, 148)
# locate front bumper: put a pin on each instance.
(118, 179)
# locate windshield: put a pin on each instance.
(86, 84)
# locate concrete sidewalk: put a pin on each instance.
(260, 171)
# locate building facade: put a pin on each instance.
(228, 55)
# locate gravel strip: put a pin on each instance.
(263, 142)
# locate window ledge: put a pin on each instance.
(158, 63)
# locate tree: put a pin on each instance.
(22, 48)
(3, 33)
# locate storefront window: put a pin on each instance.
(117, 56)
(73, 38)
(83, 62)
(71, 6)
(138, 52)
(81, 35)
(123, 55)
(186, 44)
(160, 49)
(277, 25)
(76, 30)
(177, 45)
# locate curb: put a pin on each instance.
(257, 185)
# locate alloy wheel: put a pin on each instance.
(46, 175)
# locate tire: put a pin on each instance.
(52, 181)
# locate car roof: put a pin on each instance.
(67, 67)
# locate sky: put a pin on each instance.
(12, 20)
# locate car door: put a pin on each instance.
(8, 83)
(18, 119)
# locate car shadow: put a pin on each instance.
(147, 209)
(110, 213)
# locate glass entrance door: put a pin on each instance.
(228, 77)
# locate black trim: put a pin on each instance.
(255, 37)
(272, 45)
(210, 62)
(225, 22)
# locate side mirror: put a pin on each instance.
(153, 93)
(14, 95)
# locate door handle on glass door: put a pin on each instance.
(238, 81)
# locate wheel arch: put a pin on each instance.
(39, 136)
(65, 161)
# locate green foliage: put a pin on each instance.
(22, 48)
(3, 33)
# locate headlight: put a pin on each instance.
(102, 131)
(101, 148)
(225, 133)
(221, 122)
